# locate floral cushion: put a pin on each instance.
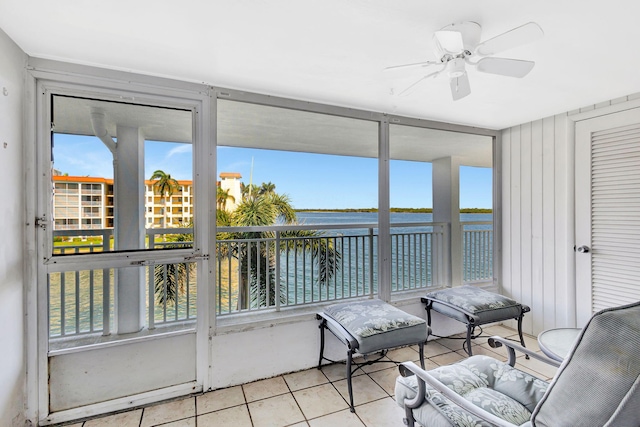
(377, 325)
(484, 305)
(493, 385)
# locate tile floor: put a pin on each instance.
(312, 398)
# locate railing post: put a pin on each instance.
(276, 254)
(371, 263)
(152, 305)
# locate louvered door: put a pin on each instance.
(607, 212)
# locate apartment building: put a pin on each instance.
(87, 203)
(83, 202)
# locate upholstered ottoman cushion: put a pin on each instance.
(492, 385)
(377, 325)
(483, 306)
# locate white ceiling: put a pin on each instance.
(334, 51)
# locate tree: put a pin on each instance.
(165, 185)
(170, 280)
(256, 251)
(267, 188)
(248, 191)
(222, 197)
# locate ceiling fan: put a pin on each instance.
(458, 45)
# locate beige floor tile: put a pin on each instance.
(124, 419)
(364, 390)
(500, 330)
(302, 424)
(320, 400)
(530, 342)
(187, 422)
(385, 363)
(404, 354)
(338, 371)
(461, 343)
(170, 411)
(387, 379)
(435, 348)
(305, 379)
(238, 416)
(447, 358)
(219, 399)
(265, 388)
(275, 411)
(342, 419)
(381, 413)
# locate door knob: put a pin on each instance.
(583, 249)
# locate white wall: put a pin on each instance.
(244, 354)
(538, 216)
(12, 364)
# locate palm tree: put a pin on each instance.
(267, 188)
(222, 197)
(256, 252)
(165, 186)
(170, 280)
(250, 190)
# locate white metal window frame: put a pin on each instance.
(44, 77)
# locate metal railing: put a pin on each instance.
(477, 251)
(272, 267)
(263, 268)
(82, 302)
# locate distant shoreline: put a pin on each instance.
(403, 210)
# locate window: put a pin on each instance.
(153, 147)
(321, 166)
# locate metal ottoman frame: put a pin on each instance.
(352, 347)
(473, 320)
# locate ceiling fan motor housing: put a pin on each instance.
(457, 40)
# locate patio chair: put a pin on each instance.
(598, 384)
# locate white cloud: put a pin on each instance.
(180, 149)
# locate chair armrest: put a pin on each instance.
(345, 336)
(410, 368)
(497, 342)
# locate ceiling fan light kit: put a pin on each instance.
(457, 45)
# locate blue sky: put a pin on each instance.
(310, 180)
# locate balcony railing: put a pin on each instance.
(477, 251)
(266, 268)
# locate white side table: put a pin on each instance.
(556, 343)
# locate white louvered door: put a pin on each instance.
(607, 212)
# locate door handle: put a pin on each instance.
(583, 249)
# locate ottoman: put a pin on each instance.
(370, 326)
(474, 306)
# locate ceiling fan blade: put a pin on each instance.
(518, 36)
(448, 42)
(505, 66)
(411, 88)
(414, 65)
(460, 87)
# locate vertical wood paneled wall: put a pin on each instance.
(538, 217)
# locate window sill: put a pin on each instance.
(243, 322)
(67, 345)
